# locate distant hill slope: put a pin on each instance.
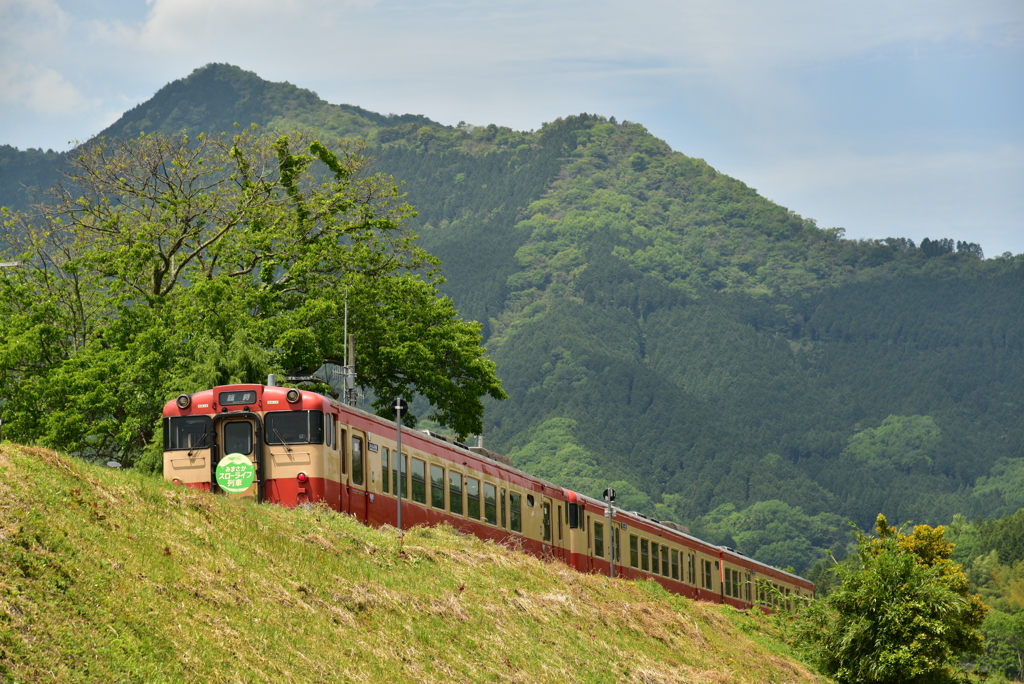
(661, 327)
(110, 576)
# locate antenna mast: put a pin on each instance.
(351, 395)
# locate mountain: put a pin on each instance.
(662, 328)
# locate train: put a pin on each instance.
(291, 447)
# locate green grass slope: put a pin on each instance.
(109, 576)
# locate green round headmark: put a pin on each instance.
(235, 473)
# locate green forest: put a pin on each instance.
(661, 328)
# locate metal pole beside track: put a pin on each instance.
(609, 496)
(400, 408)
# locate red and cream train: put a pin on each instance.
(307, 448)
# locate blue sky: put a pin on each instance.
(886, 118)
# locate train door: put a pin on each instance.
(357, 474)
(561, 540)
(552, 532)
(237, 471)
(548, 526)
(334, 453)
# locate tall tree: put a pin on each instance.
(166, 264)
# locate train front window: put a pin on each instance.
(238, 438)
(295, 427)
(187, 432)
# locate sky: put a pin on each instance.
(901, 119)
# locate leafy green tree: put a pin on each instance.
(1004, 644)
(903, 613)
(167, 264)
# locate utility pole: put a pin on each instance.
(400, 407)
(609, 497)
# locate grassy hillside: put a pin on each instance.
(111, 576)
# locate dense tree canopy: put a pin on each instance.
(903, 612)
(167, 264)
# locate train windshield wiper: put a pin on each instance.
(287, 448)
(197, 444)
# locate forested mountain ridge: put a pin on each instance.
(661, 327)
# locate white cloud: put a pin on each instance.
(31, 31)
(43, 90)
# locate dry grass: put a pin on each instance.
(113, 577)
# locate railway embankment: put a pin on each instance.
(110, 576)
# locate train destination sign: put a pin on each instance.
(235, 473)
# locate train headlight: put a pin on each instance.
(183, 401)
(292, 395)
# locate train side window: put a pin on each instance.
(645, 563)
(736, 584)
(691, 569)
(547, 521)
(419, 481)
(342, 436)
(618, 547)
(357, 460)
(747, 585)
(664, 560)
(490, 503)
(574, 516)
(400, 479)
(329, 432)
(516, 512)
(599, 540)
(437, 486)
(708, 583)
(655, 567)
(385, 468)
(455, 492)
(473, 498)
(634, 554)
(728, 582)
(504, 510)
(559, 522)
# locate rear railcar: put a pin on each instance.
(634, 546)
